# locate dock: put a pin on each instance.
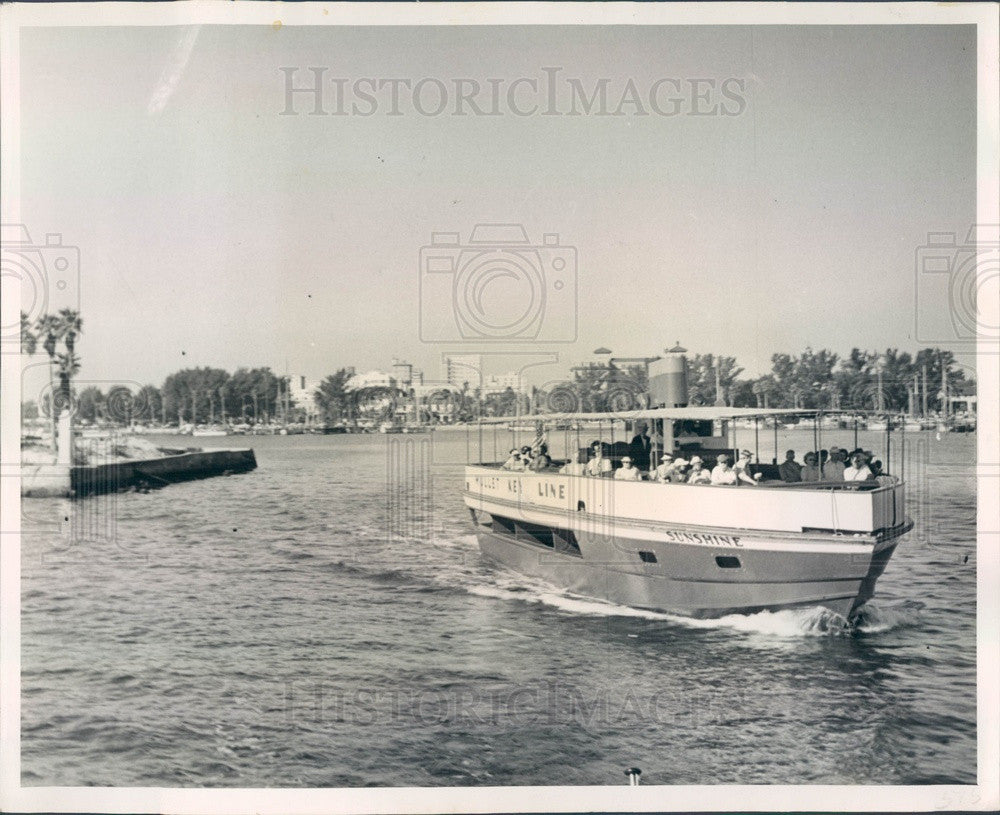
(78, 481)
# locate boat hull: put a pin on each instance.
(688, 580)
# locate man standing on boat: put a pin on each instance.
(639, 448)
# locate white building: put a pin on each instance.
(301, 390)
(469, 368)
(498, 383)
(464, 368)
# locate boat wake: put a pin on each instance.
(798, 622)
(874, 618)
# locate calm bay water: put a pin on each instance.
(327, 620)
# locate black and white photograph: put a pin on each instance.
(499, 407)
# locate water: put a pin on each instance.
(327, 621)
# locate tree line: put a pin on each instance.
(892, 381)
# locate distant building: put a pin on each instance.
(301, 390)
(464, 368)
(468, 368)
(370, 379)
(498, 383)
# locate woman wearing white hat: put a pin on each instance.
(662, 473)
(678, 474)
(698, 474)
(627, 472)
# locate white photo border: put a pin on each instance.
(982, 796)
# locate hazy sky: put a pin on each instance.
(214, 231)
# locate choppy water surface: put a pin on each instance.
(327, 621)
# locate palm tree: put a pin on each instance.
(68, 366)
(29, 340)
(71, 328)
(49, 328)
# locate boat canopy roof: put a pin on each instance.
(702, 414)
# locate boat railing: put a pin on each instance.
(882, 482)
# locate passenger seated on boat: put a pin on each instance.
(678, 473)
(859, 469)
(742, 470)
(723, 474)
(662, 472)
(880, 476)
(698, 474)
(833, 470)
(574, 467)
(526, 457)
(513, 461)
(627, 472)
(811, 471)
(541, 461)
(790, 470)
(598, 465)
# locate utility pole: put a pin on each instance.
(944, 388)
(881, 398)
(719, 401)
(923, 393)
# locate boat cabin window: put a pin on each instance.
(691, 427)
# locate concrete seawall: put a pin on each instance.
(78, 481)
(155, 472)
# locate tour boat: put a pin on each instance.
(690, 549)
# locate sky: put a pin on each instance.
(213, 230)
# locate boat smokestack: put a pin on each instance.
(668, 385)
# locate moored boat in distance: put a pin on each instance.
(210, 430)
(697, 550)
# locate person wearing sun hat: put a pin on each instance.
(662, 472)
(627, 472)
(678, 473)
(698, 474)
(859, 469)
(741, 468)
(833, 470)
